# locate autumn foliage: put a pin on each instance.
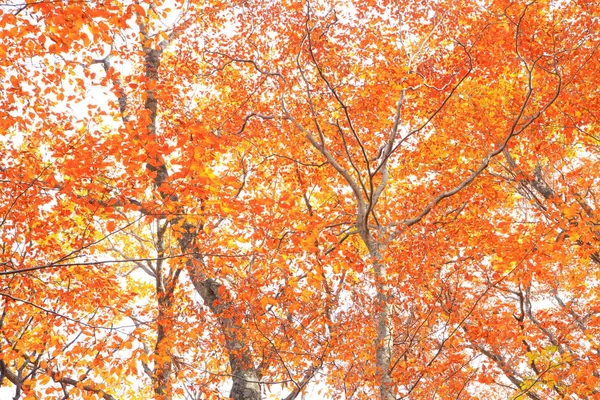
(329, 199)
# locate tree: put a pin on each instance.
(378, 200)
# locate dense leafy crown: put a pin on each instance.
(275, 199)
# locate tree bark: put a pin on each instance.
(246, 378)
(383, 344)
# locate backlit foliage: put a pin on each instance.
(269, 199)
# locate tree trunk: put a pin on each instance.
(383, 347)
(383, 344)
(246, 378)
(383, 310)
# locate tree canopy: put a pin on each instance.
(275, 199)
